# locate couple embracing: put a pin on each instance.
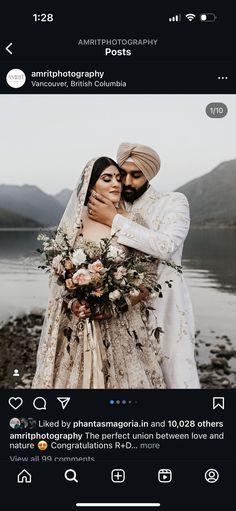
(132, 349)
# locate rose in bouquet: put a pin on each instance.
(101, 273)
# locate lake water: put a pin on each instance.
(209, 268)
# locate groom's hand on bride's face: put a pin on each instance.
(101, 209)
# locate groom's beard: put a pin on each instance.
(130, 194)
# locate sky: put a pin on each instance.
(46, 140)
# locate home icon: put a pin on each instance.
(24, 477)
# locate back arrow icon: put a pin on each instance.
(7, 48)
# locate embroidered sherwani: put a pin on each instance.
(165, 226)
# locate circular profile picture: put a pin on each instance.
(16, 78)
(31, 423)
(23, 423)
(15, 423)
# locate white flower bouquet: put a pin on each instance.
(99, 272)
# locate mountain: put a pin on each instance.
(31, 202)
(9, 219)
(212, 197)
(63, 197)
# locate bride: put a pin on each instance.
(106, 352)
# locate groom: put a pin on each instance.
(157, 224)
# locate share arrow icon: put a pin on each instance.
(64, 401)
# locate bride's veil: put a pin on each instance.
(71, 218)
(70, 224)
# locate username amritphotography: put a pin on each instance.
(115, 284)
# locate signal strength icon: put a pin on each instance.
(177, 17)
(190, 17)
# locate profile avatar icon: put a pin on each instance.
(31, 423)
(15, 423)
(23, 423)
(212, 475)
(16, 373)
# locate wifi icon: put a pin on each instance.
(190, 17)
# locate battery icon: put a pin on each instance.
(208, 16)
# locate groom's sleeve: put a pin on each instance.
(164, 236)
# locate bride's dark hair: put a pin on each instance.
(99, 165)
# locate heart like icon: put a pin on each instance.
(15, 402)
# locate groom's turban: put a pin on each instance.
(144, 157)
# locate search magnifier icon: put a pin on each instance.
(70, 475)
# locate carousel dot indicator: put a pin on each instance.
(112, 402)
(123, 402)
(118, 402)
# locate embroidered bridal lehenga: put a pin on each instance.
(115, 353)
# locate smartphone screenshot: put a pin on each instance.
(117, 257)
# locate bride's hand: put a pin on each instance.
(81, 309)
(144, 292)
(104, 315)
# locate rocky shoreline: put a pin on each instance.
(19, 339)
